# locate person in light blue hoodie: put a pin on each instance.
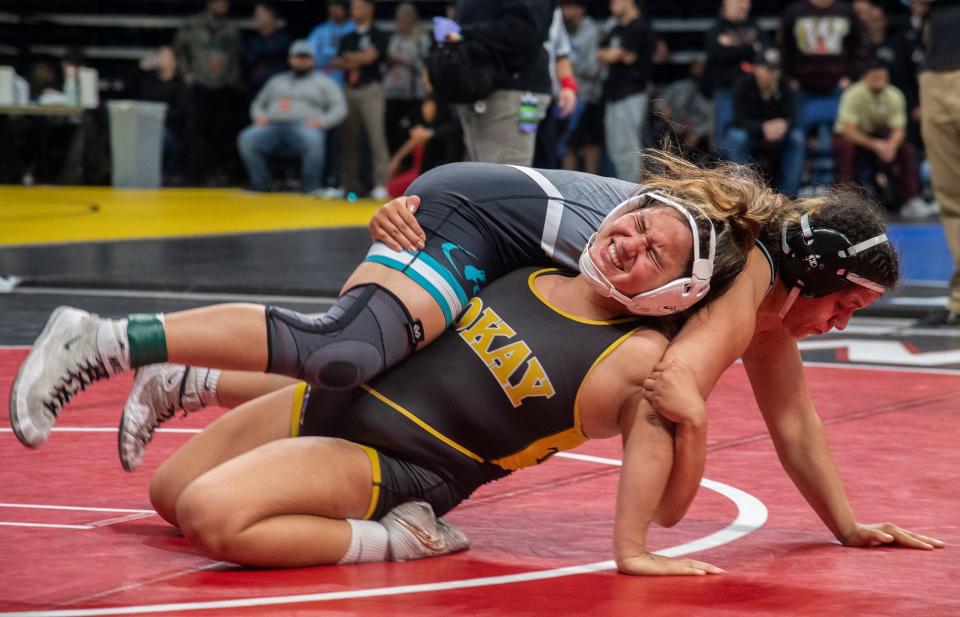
(325, 38)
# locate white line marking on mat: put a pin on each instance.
(37, 506)
(751, 515)
(54, 525)
(106, 429)
(168, 295)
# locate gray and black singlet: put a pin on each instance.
(483, 220)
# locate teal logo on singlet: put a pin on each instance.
(471, 273)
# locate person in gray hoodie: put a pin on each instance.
(291, 116)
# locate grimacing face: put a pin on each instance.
(643, 249)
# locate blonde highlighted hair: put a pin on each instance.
(734, 197)
(726, 192)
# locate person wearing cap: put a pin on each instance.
(763, 128)
(871, 130)
(291, 115)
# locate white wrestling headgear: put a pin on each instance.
(675, 296)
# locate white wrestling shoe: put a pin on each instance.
(63, 361)
(159, 391)
(414, 532)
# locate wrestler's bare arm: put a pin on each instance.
(775, 369)
(611, 402)
(715, 336)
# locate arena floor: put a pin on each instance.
(78, 536)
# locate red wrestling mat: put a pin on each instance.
(78, 537)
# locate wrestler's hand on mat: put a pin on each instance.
(650, 564)
(888, 533)
(394, 225)
(672, 391)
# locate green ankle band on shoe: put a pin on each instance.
(148, 342)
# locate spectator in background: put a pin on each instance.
(731, 42)
(325, 38)
(436, 141)
(290, 118)
(940, 101)
(822, 44)
(871, 129)
(265, 53)
(763, 128)
(587, 136)
(362, 57)
(907, 64)
(208, 54)
(877, 37)
(861, 8)
(60, 149)
(325, 41)
(563, 90)
(402, 87)
(627, 51)
(502, 128)
(684, 114)
(11, 157)
(163, 84)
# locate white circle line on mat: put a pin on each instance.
(751, 515)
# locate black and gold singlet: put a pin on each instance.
(496, 392)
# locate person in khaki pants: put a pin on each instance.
(362, 57)
(502, 128)
(940, 110)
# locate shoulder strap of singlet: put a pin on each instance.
(770, 262)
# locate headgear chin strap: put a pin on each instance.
(676, 295)
(817, 262)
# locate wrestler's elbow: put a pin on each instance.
(667, 519)
(668, 514)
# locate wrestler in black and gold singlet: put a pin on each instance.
(496, 392)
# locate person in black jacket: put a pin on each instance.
(763, 127)
(165, 85)
(909, 54)
(627, 52)
(265, 51)
(502, 127)
(731, 42)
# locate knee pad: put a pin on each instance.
(365, 332)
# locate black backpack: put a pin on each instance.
(463, 72)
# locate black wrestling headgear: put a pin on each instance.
(818, 261)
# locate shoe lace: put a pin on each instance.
(75, 381)
(164, 412)
(162, 415)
